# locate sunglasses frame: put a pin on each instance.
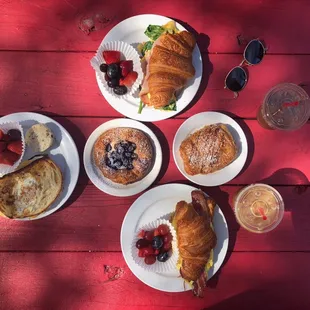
(243, 64)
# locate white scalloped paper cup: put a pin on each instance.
(158, 267)
(5, 127)
(127, 53)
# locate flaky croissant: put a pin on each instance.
(169, 66)
(196, 237)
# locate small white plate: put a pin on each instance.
(106, 185)
(131, 30)
(153, 204)
(197, 122)
(63, 152)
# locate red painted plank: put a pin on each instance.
(92, 221)
(64, 83)
(269, 161)
(81, 281)
(53, 24)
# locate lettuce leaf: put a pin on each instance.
(154, 32)
(172, 106)
(146, 47)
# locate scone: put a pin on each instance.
(123, 155)
(39, 138)
(207, 150)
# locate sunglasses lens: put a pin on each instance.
(236, 79)
(255, 52)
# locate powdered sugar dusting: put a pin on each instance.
(203, 152)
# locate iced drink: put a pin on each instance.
(285, 107)
(259, 208)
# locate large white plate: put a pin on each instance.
(195, 123)
(105, 184)
(64, 153)
(153, 204)
(131, 31)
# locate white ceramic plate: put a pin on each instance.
(195, 123)
(105, 184)
(131, 31)
(63, 152)
(153, 204)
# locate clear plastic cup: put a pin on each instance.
(285, 107)
(259, 208)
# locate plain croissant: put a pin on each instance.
(169, 66)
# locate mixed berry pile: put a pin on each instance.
(155, 244)
(118, 74)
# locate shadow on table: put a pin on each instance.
(165, 150)
(80, 140)
(296, 197)
(222, 199)
(268, 297)
(203, 42)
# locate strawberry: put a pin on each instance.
(111, 57)
(16, 147)
(156, 232)
(4, 137)
(8, 158)
(129, 79)
(167, 246)
(126, 67)
(141, 253)
(141, 234)
(2, 146)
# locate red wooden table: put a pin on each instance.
(72, 259)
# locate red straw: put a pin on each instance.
(262, 213)
(290, 104)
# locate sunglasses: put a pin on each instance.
(237, 78)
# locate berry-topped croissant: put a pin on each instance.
(168, 66)
(196, 238)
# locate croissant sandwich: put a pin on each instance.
(196, 239)
(168, 64)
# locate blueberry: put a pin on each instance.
(133, 145)
(106, 77)
(130, 167)
(113, 71)
(128, 154)
(124, 144)
(120, 90)
(103, 67)
(114, 156)
(163, 257)
(118, 164)
(108, 147)
(108, 162)
(130, 148)
(134, 156)
(125, 162)
(157, 242)
(120, 150)
(113, 83)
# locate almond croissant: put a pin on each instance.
(169, 66)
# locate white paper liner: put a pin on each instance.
(127, 53)
(5, 127)
(158, 267)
